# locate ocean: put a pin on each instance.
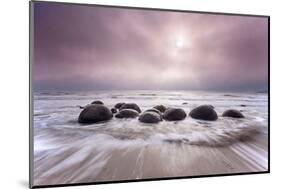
(124, 149)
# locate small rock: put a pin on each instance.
(233, 114)
(131, 106)
(113, 110)
(97, 102)
(174, 114)
(94, 113)
(81, 107)
(150, 117)
(184, 103)
(161, 108)
(127, 113)
(204, 112)
(243, 105)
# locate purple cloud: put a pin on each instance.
(92, 48)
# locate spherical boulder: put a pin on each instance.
(131, 106)
(97, 102)
(161, 108)
(174, 114)
(204, 112)
(118, 105)
(94, 113)
(127, 113)
(113, 110)
(150, 117)
(153, 110)
(211, 106)
(233, 114)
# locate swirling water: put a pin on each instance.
(67, 152)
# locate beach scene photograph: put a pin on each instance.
(126, 94)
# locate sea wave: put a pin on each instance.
(54, 117)
(220, 133)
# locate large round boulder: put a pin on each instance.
(161, 108)
(95, 113)
(97, 102)
(127, 113)
(233, 113)
(174, 114)
(150, 117)
(118, 105)
(204, 112)
(132, 106)
(153, 110)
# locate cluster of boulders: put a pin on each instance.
(97, 112)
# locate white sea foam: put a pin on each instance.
(57, 113)
(67, 152)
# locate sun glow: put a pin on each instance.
(179, 43)
(182, 42)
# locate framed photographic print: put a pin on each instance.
(122, 94)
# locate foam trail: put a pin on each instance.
(66, 152)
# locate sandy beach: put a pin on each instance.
(92, 163)
(67, 152)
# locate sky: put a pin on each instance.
(96, 48)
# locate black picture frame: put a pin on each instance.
(136, 180)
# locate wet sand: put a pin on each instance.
(66, 152)
(109, 162)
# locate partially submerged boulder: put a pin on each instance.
(150, 117)
(161, 108)
(127, 113)
(94, 113)
(118, 105)
(153, 110)
(204, 112)
(233, 113)
(97, 102)
(174, 114)
(132, 106)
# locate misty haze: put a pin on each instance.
(125, 94)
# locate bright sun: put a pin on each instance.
(179, 43)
